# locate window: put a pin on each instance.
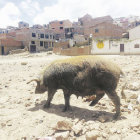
(61, 28)
(136, 46)
(41, 43)
(33, 35)
(50, 36)
(96, 30)
(67, 30)
(46, 36)
(42, 35)
(32, 42)
(57, 36)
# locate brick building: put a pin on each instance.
(106, 30)
(78, 28)
(87, 21)
(22, 24)
(69, 32)
(58, 28)
(8, 43)
(36, 40)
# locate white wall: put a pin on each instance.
(134, 33)
(110, 47)
(79, 38)
(71, 42)
(131, 47)
(113, 47)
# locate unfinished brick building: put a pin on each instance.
(8, 43)
(58, 28)
(106, 30)
(36, 40)
(87, 21)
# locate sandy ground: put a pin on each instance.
(22, 115)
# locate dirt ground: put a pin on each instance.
(22, 116)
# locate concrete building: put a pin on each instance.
(118, 46)
(36, 40)
(9, 29)
(1, 30)
(122, 22)
(127, 22)
(134, 24)
(23, 24)
(37, 26)
(134, 33)
(107, 46)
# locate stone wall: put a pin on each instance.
(74, 51)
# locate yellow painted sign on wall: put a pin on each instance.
(100, 44)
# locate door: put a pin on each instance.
(32, 48)
(2, 50)
(121, 47)
(46, 45)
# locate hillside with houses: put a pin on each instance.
(100, 35)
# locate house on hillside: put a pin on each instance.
(87, 21)
(105, 38)
(58, 28)
(78, 28)
(111, 45)
(23, 24)
(106, 30)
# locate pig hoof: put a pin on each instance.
(66, 109)
(116, 116)
(46, 106)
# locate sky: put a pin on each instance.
(44, 11)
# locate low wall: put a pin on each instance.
(8, 49)
(17, 51)
(74, 51)
(57, 50)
